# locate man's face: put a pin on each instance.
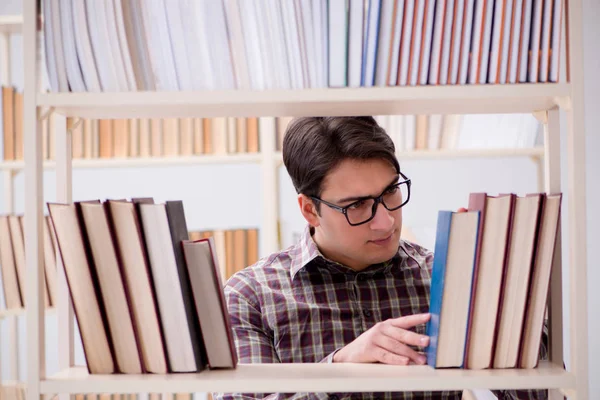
(373, 242)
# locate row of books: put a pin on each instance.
(451, 131)
(147, 298)
(235, 44)
(490, 281)
(18, 392)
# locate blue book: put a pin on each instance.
(451, 282)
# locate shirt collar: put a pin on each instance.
(307, 251)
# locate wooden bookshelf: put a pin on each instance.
(10, 24)
(268, 378)
(457, 99)
(543, 99)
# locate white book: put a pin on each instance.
(194, 20)
(436, 46)
(306, 21)
(265, 45)
(506, 42)
(152, 15)
(113, 37)
(476, 34)
(167, 286)
(407, 31)
(179, 45)
(446, 42)
(524, 45)
(237, 43)
(434, 134)
(355, 44)
(557, 31)
(276, 36)
(337, 42)
(384, 42)
(74, 76)
(254, 57)
(487, 37)
(536, 36)
(456, 41)
(515, 41)
(59, 55)
(370, 53)
(465, 50)
(123, 45)
(410, 125)
(417, 42)
(545, 45)
(292, 40)
(221, 56)
(497, 37)
(50, 58)
(325, 43)
(319, 21)
(397, 35)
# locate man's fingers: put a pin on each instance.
(410, 320)
(394, 346)
(385, 356)
(406, 336)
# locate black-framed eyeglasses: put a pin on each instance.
(363, 210)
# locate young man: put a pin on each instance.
(350, 290)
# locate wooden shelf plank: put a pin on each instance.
(143, 162)
(256, 158)
(456, 99)
(268, 378)
(11, 24)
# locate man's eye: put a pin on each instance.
(392, 190)
(357, 205)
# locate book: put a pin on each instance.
(451, 282)
(205, 277)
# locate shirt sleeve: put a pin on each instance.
(254, 341)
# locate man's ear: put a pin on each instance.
(308, 210)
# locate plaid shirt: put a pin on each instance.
(298, 307)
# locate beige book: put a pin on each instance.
(112, 289)
(186, 127)
(120, 138)
(10, 280)
(219, 135)
(8, 122)
(88, 138)
(421, 135)
(81, 287)
(18, 245)
(220, 245)
(19, 125)
(156, 140)
(252, 237)
(198, 136)
(240, 245)
(145, 140)
(132, 254)
(134, 137)
(50, 261)
(516, 280)
(540, 281)
(252, 135)
(170, 297)
(171, 137)
(105, 137)
(231, 135)
(21, 256)
(229, 248)
(242, 135)
(207, 124)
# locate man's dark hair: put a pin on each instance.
(314, 146)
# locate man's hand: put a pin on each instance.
(387, 342)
